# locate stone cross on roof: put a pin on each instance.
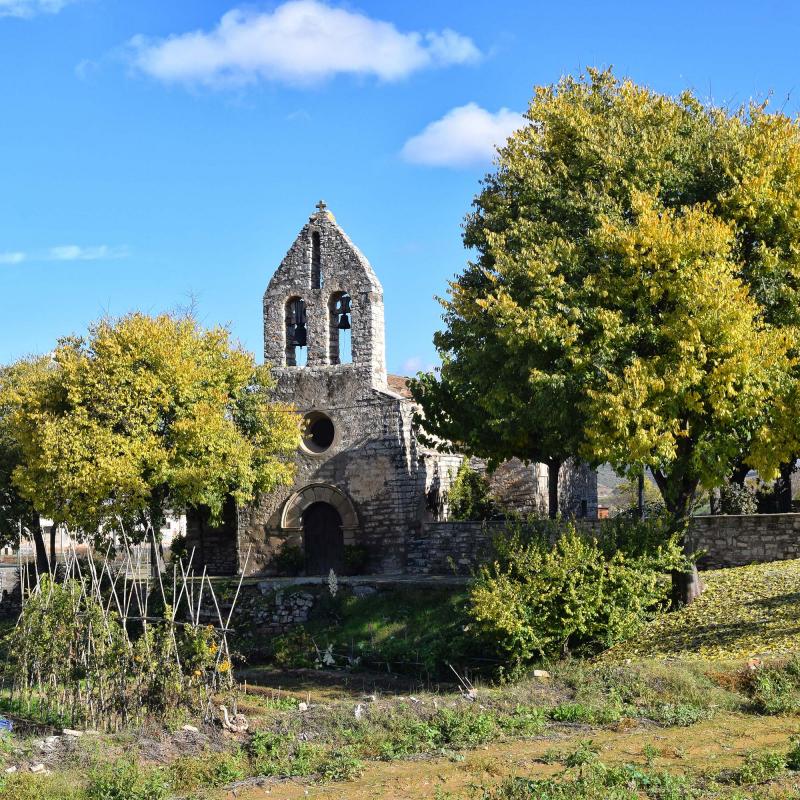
(321, 206)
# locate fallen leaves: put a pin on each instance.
(745, 612)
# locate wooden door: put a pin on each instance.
(323, 539)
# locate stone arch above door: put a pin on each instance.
(292, 517)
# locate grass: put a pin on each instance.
(409, 631)
(655, 683)
(745, 612)
(336, 740)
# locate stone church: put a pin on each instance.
(364, 484)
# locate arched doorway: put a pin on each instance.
(323, 539)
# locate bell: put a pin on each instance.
(344, 323)
(300, 336)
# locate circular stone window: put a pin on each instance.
(319, 432)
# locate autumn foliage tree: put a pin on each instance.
(635, 288)
(143, 416)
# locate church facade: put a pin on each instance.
(364, 485)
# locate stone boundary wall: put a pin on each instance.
(734, 541)
(263, 607)
(444, 548)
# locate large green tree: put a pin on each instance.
(144, 416)
(637, 269)
(18, 515)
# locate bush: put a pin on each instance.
(464, 727)
(537, 601)
(776, 690)
(678, 715)
(355, 559)
(793, 756)
(736, 499)
(124, 780)
(759, 768)
(290, 560)
(469, 496)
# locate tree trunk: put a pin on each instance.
(783, 488)
(157, 565)
(53, 531)
(640, 496)
(715, 501)
(678, 497)
(42, 564)
(686, 587)
(739, 474)
(553, 470)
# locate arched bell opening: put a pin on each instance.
(296, 332)
(340, 314)
(316, 261)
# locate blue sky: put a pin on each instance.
(157, 151)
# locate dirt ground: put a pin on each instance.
(705, 747)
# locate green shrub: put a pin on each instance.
(678, 714)
(340, 766)
(406, 736)
(759, 768)
(595, 781)
(793, 756)
(524, 721)
(588, 715)
(125, 780)
(293, 650)
(355, 559)
(464, 727)
(538, 601)
(736, 499)
(269, 753)
(775, 690)
(469, 496)
(229, 768)
(289, 560)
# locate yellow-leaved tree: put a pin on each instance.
(143, 416)
(635, 295)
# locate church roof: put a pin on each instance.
(399, 385)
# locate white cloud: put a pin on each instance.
(301, 41)
(463, 137)
(66, 252)
(27, 8)
(74, 252)
(413, 365)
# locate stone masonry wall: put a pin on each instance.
(264, 608)
(734, 541)
(444, 548)
(728, 541)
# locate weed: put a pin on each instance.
(125, 780)
(407, 736)
(524, 721)
(678, 714)
(759, 768)
(464, 727)
(775, 691)
(588, 715)
(340, 766)
(649, 753)
(793, 756)
(585, 754)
